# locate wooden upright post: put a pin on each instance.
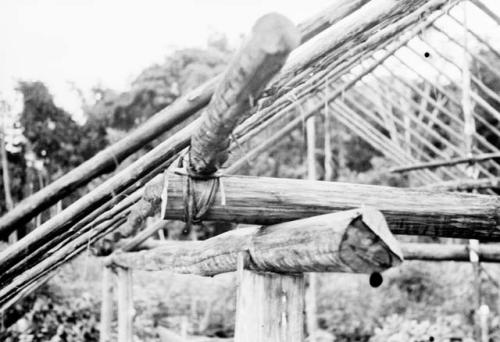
(270, 308)
(125, 305)
(484, 311)
(312, 277)
(106, 304)
(469, 131)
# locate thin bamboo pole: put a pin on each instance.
(480, 139)
(444, 127)
(449, 162)
(310, 295)
(125, 305)
(420, 138)
(481, 5)
(390, 143)
(490, 92)
(476, 97)
(106, 304)
(375, 138)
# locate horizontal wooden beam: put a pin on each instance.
(262, 200)
(443, 252)
(351, 241)
(450, 162)
(411, 251)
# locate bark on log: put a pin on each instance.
(442, 252)
(262, 200)
(262, 56)
(270, 308)
(352, 241)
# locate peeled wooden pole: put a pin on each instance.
(310, 293)
(454, 161)
(262, 56)
(9, 202)
(444, 252)
(106, 304)
(262, 200)
(125, 305)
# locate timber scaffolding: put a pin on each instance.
(340, 69)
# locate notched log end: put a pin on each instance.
(276, 33)
(368, 245)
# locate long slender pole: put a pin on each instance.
(106, 304)
(9, 202)
(469, 143)
(310, 296)
(125, 305)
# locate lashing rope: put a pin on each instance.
(196, 202)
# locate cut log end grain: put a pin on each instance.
(276, 33)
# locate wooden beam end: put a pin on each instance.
(368, 245)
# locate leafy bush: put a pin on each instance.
(398, 329)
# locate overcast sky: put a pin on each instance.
(108, 42)
(87, 42)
